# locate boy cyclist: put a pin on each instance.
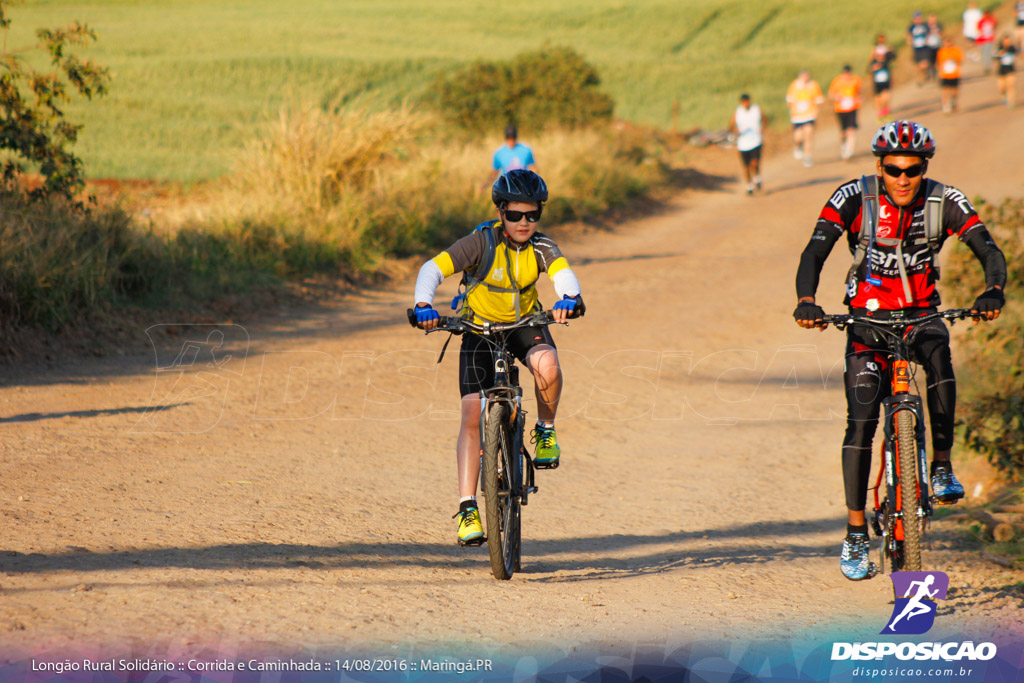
(517, 255)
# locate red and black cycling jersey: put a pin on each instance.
(842, 213)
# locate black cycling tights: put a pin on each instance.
(868, 384)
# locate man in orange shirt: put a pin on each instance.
(949, 60)
(845, 95)
(803, 97)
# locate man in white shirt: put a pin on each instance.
(972, 15)
(747, 124)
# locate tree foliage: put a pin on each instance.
(552, 86)
(33, 128)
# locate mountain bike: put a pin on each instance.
(901, 516)
(507, 471)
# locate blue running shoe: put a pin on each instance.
(854, 561)
(945, 486)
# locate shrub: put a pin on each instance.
(991, 406)
(32, 123)
(550, 87)
(57, 259)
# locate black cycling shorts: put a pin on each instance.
(949, 82)
(476, 358)
(882, 87)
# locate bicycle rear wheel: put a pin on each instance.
(906, 445)
(502, 505)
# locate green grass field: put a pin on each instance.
(192, 78)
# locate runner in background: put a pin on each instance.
(986, 39)
(747, 123)
(1007, 56)
(971, 17)
(845, 95)
(917, 38)
(880, 69)
(950, 59)
(1019, 12)
(804, 96)
(513, 155)
(934, 42)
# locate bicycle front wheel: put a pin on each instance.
(906, 446)
(502, 504)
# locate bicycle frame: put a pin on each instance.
(506, 387)
(899, 509)
(506, 390)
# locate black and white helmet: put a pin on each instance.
(519, 185)
(903, 137)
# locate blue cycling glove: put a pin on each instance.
(567, 303)
(426, 314)
(572, 304)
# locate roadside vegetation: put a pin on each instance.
(192, 81)
(318, 190)
(990, 385)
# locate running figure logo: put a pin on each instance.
(916, 593)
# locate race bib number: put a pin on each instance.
(882, 76)
(1006, 60)
(847, 103)
(949, 67)
(803, 106)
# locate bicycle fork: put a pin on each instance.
(904, 507)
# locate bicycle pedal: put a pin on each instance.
(546, 465)
(946, 501)
(473, 542)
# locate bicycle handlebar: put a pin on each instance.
(846, 319)
(458, 325)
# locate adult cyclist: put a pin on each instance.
(897, 277)
(517, 255)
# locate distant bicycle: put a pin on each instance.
(507, 475)
(900, 517)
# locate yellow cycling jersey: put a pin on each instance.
(507, 290)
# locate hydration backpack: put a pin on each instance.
(869, 226)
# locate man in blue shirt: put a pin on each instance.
(512, 155)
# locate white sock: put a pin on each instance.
(465, 498)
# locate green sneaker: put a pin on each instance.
(547, 453)
(471, 531)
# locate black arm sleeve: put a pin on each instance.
(813, 258)
(992, 259)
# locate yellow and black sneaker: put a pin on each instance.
(471, 532)
(547, 454)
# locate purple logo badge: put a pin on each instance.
(915, 593)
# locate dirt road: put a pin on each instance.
(291, 484)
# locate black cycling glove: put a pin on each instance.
(991, 301)
(809, 311)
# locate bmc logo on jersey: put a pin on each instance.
(915, 593)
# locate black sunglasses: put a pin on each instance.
(894, 171)
(516, 216)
